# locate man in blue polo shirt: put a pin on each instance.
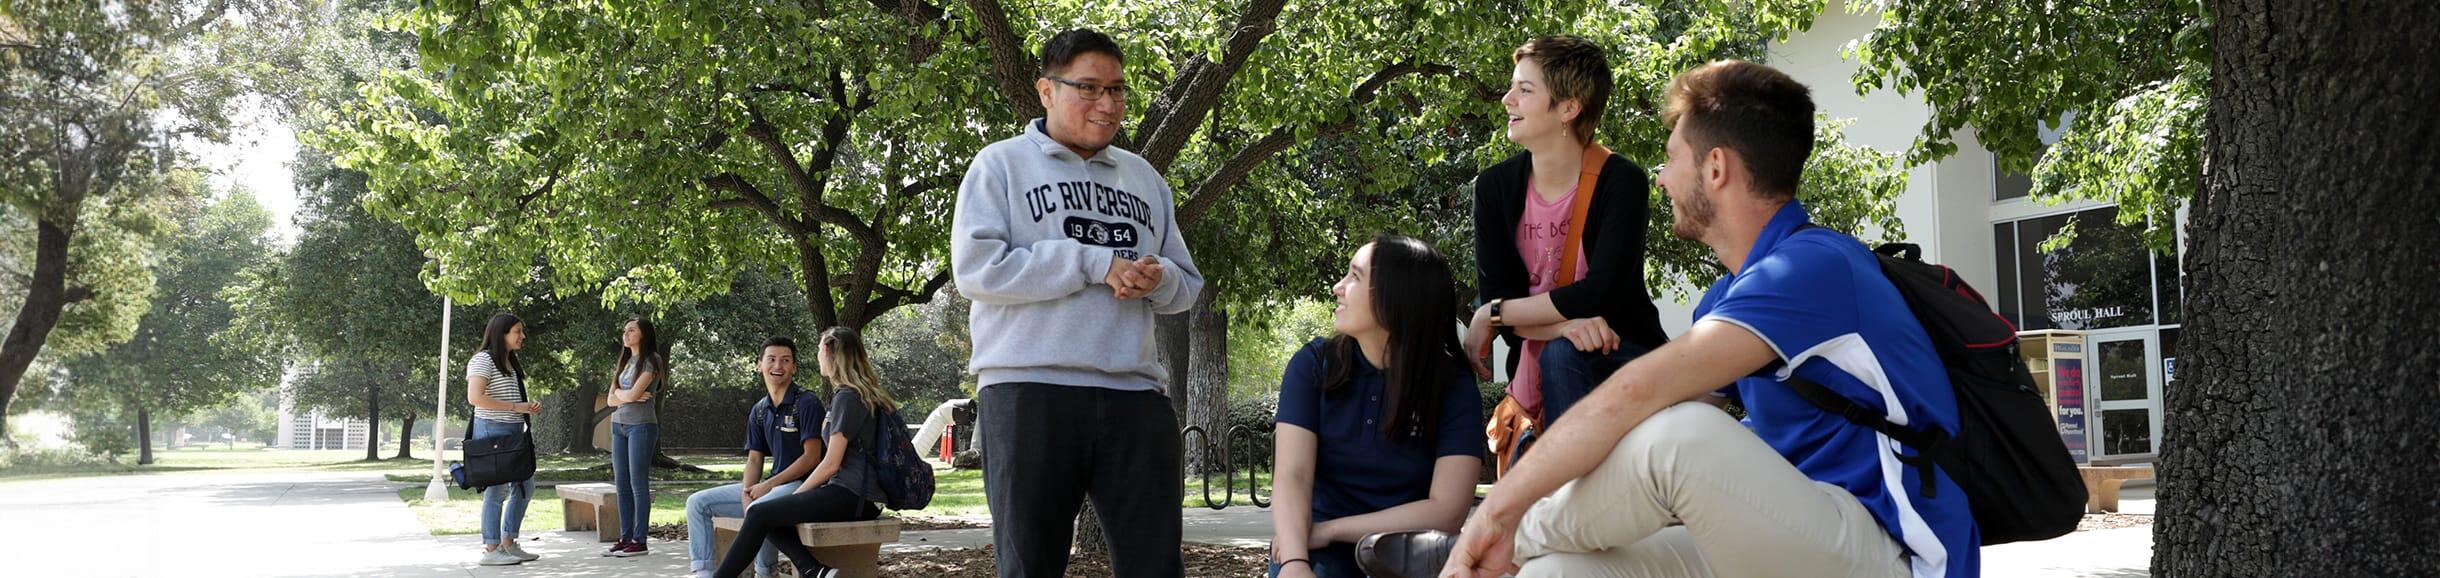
(1655, 486)
(786, 425)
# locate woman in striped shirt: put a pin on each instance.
(494, 385)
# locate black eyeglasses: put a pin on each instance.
(1092, 91)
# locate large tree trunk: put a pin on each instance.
(46, 296)
(1207, 387)
(372, 423)
(406, 436)
(581, 416)
(1089, 538)
(1171, 342)
(144, 455)
(2309, 438)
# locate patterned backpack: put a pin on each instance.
(905, 478)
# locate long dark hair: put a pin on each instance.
(651, 345)
(495, 342)
(1414, 297)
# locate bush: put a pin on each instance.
(1252, 418)
(44, 459)
(1492, 393)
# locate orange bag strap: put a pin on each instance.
(1595, 155)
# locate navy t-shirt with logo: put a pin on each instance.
(1358, 470)
(1818, 298)
(780, 431)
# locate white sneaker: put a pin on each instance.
(501, 558)
(519, 551)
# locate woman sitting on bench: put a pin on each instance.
(842, 488)
(1380, 426)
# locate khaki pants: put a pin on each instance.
(1691, 492)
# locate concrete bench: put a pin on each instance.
(590, 507)
(2101, 485)
(852, 547)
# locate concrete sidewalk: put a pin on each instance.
(224, 523)
(303, 523)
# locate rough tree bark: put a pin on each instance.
(406, 436)
(1207, 385)
(372, 423)
(2307, 440)
(144, 455)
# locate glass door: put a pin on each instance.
(2125, 372)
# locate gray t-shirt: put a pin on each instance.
(849, 416)
(640, 413)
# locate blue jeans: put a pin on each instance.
(1334, 561)
(725, 501)
(631, 448)
(503, 504)
(1569, 375)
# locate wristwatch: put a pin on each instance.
(1495, 312)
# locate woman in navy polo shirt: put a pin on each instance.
(1386, 405)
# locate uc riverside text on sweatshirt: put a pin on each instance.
(1035, 230)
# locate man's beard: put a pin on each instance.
(1694, 216)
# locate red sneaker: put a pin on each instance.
(628, 548)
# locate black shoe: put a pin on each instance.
(1409, 554)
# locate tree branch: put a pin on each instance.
(1012, 67)
(751, 197)
(808, 188)
(915, 12)
(1234, 170)
(76, 294)
(548, 183)
(1259, 20)
(1165, 106)
(892, 297)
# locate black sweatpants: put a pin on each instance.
(1046, 448)
(775, 521)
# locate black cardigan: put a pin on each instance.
(1614, 289)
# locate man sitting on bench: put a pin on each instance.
(785, 426)
(843, 488)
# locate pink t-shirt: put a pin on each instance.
(1541, 241)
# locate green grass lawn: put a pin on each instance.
(591, 468)
(1238, 494)
(219, 458)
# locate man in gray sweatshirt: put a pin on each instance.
(1068, 248)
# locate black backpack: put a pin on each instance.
(2007, 456)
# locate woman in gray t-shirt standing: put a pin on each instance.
(635, 432)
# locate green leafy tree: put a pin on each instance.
(654, 152)
(348, 302)
(179, 362)
(2126, 78)
(921, 352)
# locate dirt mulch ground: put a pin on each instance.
(2112, 522)
(1201, 560)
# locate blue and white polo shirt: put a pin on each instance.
(1818, 297)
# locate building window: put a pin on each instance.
(2104, 278)
(2010, 184)
(2007, 184)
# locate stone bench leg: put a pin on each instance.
(853, 560)
(2104, 496)
(581, 516)
(721, 539)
